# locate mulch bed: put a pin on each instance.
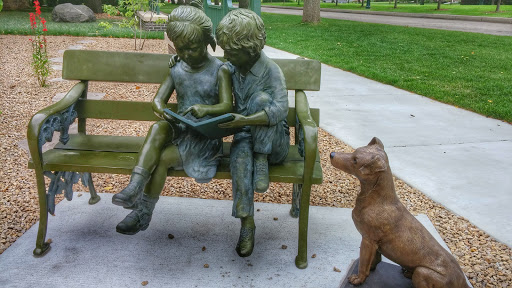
(485, 261)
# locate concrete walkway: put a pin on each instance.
(458, 158)
(486, 25)
(87, 252)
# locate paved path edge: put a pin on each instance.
(413, 15)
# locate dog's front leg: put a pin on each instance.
(366, 258)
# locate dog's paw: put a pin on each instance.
(356, 280)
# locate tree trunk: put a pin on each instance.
(95, 5)
(438, 5)
(396, 4)
(16, 4)
(311, 11)
(243, 4)
(498, 6)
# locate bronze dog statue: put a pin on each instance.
(389, 229)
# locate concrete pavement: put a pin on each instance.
(445, 22)
(459, 159)
(87, 252)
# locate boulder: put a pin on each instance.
(72, 13)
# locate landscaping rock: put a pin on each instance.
(72, 13)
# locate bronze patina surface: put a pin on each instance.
(203, 88)
(389, 229)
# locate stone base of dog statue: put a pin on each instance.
(389, 229)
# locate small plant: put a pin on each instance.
(40, 62)
(129, 9)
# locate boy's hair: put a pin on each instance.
(242, 29)
(191, 23)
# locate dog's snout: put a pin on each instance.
(332, 154)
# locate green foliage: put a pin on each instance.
(468, 70)
(105, 25)
(15, 22)
(128, 9)
(160, 21)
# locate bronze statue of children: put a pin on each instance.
(203, 88)
(261, 107)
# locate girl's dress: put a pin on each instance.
(200, 156)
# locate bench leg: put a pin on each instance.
(41, 245)
(87, 181)
(297, 191)
(301, 261)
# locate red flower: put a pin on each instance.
(33, 20)
(44, 30)
(38, 7)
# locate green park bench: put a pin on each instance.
(78, 155)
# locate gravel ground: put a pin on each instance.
(486, 262)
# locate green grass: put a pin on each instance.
(428, 8)
(18, 23)
(468, 70)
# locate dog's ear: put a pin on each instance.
(376, 141)
(377, 164)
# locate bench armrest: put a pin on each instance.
(309, 130)
(56, 117)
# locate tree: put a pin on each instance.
(95, 5)
(16, 4)
(498, 6)
(438, 5)
(243, 4)
(311, 11)
(396, 4)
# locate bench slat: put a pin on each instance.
(300, 74)
(142, 111)
(291, 171)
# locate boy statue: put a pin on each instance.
(261, 108)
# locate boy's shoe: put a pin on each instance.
(260, 178)
(129, 195)
(138, 219)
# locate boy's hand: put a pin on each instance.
(198, 110)
(239, 121)
(174, 59)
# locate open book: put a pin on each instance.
(208, 128)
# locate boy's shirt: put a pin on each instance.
(264, 76)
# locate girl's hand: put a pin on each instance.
(159, 113)
(169, 118)
(239, 121)
(198, 110)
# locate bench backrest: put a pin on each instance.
(300, 74)
(132, 67)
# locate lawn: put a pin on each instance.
(428, 8)
(17, 22)
(469, 70)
